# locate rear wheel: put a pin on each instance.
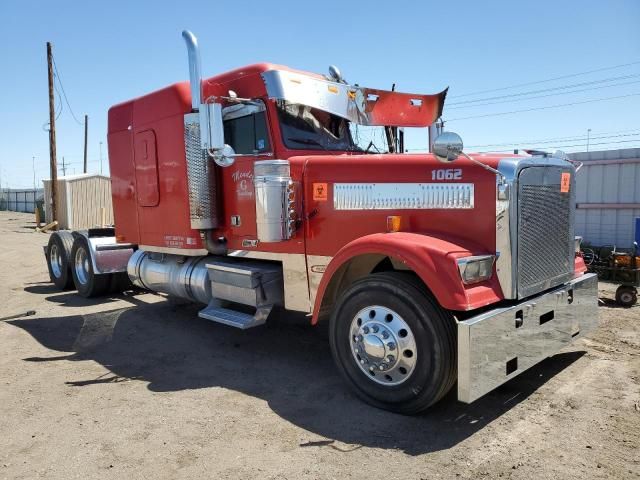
(58, 259)
(88, 283)
(393, 343)
(626, 296)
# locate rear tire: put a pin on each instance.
(393, 343)
(58, 259)
(626, 296)
(86, 281)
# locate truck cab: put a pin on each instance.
(268, 186)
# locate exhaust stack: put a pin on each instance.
(198, 135)
(195, 77)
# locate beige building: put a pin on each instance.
(84, 201)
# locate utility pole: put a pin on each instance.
(64, 170)
(52, 136)
(86, 126)
(100, 158)
(588, 136)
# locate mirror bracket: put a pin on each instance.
(448, 146)
(226, 156)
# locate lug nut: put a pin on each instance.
(362, 362)
(391, 358)
(391, 346)
(365, 330)
(375, 329)
(359, 338)
(381, 367)
(385, 334)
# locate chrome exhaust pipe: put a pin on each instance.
(195, 77)
(183, 277)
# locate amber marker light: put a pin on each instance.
(393, 223)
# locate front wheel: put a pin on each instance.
(393, 343)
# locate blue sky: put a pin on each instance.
(111, 51)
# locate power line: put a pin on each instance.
(567, 146)
(65, 93)
(456, 106)
(561, 87)
(553, 140)
(537, 82)
(543, 108)
(59, 101)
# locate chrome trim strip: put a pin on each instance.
(189, 252)
(497, 345)
(316, 267)
(401, 196)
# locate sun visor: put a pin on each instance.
(364, 106)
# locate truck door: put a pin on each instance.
(245, 130)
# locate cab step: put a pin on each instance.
(234, 318)
(252, 283)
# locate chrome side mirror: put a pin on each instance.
(225, 157)
(447, 147)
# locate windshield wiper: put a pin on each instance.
(371, 144)
(307, 141)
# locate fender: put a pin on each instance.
(432, 258)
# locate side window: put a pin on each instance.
(245, 128)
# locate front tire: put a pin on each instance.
(88, 283)
(393, 343)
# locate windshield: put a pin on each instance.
(307, 128)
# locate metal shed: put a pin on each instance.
(81, 200)
(608, 196)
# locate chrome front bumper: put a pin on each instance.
(496, 346)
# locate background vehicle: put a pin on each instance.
(254, 187)
(620, 267)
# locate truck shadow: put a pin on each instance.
(287, 363)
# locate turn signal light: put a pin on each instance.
(476, 269)
(393, 223)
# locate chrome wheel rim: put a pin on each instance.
(81, 265)
(626, 297)
(383, 345)
(56, 261)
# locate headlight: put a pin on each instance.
(476, 269)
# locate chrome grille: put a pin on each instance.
(200, 177)
(545, 230)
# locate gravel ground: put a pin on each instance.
(132, 386)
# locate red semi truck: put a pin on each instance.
(251, 190)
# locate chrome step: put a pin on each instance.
(234, 318)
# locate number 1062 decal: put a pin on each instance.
(446, 174)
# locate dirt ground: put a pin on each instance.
(132, 387)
